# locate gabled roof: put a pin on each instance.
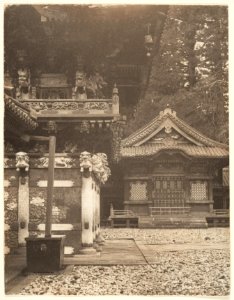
(167, 131)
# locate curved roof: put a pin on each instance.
(195, 151)
(20, 112)
(167, 131)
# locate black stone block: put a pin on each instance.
(44, 255)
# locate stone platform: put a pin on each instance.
(172, 221)
(114, 252)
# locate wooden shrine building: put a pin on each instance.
(169, 169)
(83, 83)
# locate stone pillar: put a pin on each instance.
(115, 101)
(22, 166)
(95, 171)
(99, 239)
(87, 214)
(87, 204)
(23, 209)
(94, 211)
(98, 210)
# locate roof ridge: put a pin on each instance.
(199, 135)
(137, 133)
(168, 113)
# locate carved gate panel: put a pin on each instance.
(168, 191)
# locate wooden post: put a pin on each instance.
(210, 195)
(52, 145)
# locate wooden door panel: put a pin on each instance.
(168, 191)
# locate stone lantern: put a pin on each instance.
(148, 41)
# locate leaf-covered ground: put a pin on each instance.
(191, 272)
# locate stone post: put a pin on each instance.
(99, 239)
(102, 173)
(87, 204)
(95, 171)
(22, 166)
(94, 211)
(98, 210)
(87, 215)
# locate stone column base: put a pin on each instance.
(87, 251)
(97, 247)
(100, 240)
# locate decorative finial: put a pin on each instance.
(148, 41)
(168, 110)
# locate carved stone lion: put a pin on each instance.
(79, 91)
(23, 77)
(23, 83)
(100, 167)
(88, 87)
(22, 161)
(85, 161)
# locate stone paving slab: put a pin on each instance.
(114, 252)
(14, 264)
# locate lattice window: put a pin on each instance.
(138, 190)
(157, 184)
(199, 190)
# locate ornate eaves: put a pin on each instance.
(168, 118)
(19, 112)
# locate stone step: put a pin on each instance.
(172, 222)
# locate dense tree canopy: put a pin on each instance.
(97, 33)
(190, 72)
(23, 31)
(188, 68)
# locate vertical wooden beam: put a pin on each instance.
(50, 187)
(210, 194)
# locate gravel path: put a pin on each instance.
(190, 272)
(170, 236)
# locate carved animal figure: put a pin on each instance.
(85, 161)
(100, 167)
(88, 87)
(24, 83)
(22, 161)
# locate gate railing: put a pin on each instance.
(122, 213)
(221, 212)
(169, 210)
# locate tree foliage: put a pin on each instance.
(23, 31)
(190, 72)
(97, 33)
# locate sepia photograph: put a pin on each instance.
(116, 150)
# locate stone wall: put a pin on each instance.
(25, 201)
(10, 209)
